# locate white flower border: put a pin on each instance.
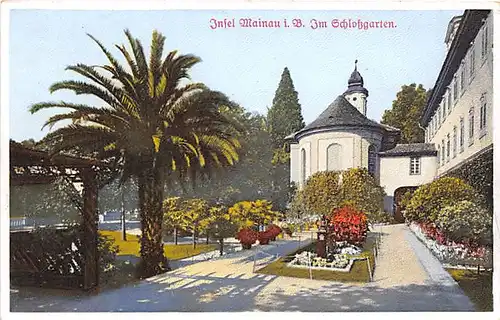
(346, 269)
(449, 255)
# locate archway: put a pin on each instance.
(398, 195)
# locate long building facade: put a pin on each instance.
(457, 121)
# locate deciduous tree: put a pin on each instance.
(406, 112)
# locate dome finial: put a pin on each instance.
(356, 64)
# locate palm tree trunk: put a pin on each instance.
(153, 261)
(175, 235)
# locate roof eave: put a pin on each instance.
(450, 64)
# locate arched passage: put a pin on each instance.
(398, 195)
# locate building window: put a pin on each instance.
(372, 158)
(462, 78)
(414, 166)
(482, 114)
(455, 89)
(448, 143)
(454, 141)
(462, 134)
(472, 63)
(445, 105)
(442, 151)
(471, 126)
(484, 42)
(443, 110)
(334, 157)
(439, 116)
(303, 162)
(438, 153)
(449, 98)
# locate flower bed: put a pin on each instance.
(449, 252)
(358, 271)
(341, 259)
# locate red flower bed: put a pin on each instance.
(432, 232)
(264, 237)
(273, 231)
(348, 224)
(247, 237)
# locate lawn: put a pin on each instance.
(359, 271)
(478, 287)
(172, 251)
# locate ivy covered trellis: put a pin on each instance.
(66, 257)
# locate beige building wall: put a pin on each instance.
(354, 145)
(477, 89)
(358, 100)
(395, 173)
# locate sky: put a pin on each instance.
(244, 63)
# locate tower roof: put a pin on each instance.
(341, 113)
(355, 82)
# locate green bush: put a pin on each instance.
(360, 189)
(334, 189)
(107, 257)
(428, 200)
(466, 222)
(321, 192)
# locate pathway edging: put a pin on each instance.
(438, 276)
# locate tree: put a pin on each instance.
(246, 180)
(153, 127)
(283, 118)
(329, 190)
(322, 193)
(194, 211)
(116, 196)
(173, 215)
(428, 201)
(221, 226)
(406, 112)
(247, 214)
(285, 115)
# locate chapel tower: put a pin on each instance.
(356, 94)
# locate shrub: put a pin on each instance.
(333, 189)
(274, 230)
(466, 222)
(349, 225)
(247, 236)
(264, 237)
(251, 213)
(428, 200)
(107, 257)
(361, 191)
(321, 193)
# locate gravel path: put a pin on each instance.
(397, 264)
(228, 284)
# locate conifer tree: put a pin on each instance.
(283, 118)
(285, 115)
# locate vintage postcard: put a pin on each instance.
(247, 159)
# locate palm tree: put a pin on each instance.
(152, 127)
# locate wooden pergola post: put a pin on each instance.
(90, 235)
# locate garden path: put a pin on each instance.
(229, 284)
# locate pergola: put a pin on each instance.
(29, 166)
